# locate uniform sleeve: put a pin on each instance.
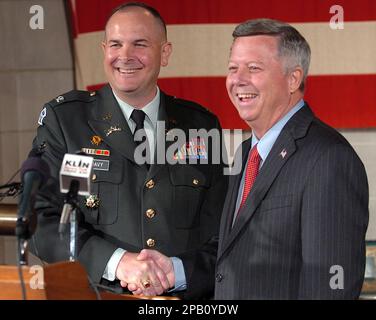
(334, 220)
(199, 267)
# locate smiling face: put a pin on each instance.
(135, 48)
(257, 83)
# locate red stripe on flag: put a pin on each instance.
(92, 14)
(346, 101)
(343, 101)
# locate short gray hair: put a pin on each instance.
(292, 44)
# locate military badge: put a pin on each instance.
(111, 130)
(42, 115)
(59, 99)
(97, 152)
(193, 149)
(107, 117)
(92, 202)
(96, 140)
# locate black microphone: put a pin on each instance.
(69, 204)
(34, 173)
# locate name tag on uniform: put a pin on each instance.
(103, 165)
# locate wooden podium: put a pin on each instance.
(60, 281)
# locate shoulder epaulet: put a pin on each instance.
(192, 105)
(73, 95)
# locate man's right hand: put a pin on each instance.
(162, 261)
(133, 272)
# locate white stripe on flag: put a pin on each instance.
(203, 49)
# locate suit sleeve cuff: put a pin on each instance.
(110, 271)
(180, 280)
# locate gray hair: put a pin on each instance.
(292, 44)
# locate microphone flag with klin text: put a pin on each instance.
(76, 167)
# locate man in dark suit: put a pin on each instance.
(295, 218)
(172, 207)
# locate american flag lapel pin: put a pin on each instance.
(283, 153)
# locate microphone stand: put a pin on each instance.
(22, 226)
(27, 220)
(25, 228)
(71, 205)
(73, 235)
(13, 189)
(13, 185)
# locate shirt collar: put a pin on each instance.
(151, 109)
(266, 143)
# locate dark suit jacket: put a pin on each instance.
(307, 214)
(187, 199)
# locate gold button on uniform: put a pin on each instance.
(150, 243)
(195, 182)
(150, 184)
(94, 177)
(150, 213)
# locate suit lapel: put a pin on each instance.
(107, 114)
(232, 194)
(281, 152)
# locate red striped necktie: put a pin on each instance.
(250, 173)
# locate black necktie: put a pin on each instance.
(138, 116)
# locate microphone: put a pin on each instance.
(34, 172)
(69, 204)
(75, 179)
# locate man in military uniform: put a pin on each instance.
(169, 207)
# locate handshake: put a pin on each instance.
(148, 273)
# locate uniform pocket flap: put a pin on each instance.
(111, 171)
(186, 175)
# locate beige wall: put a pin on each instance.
(35, 66)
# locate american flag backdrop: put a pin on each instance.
(341, 87)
